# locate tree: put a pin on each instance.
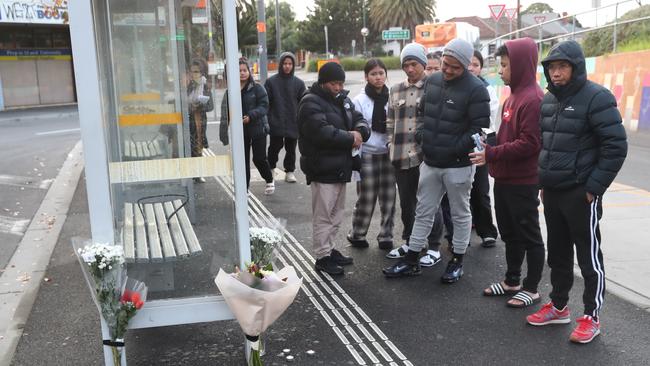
(288, 28)
(406, 13)
(635, 35)
(538, 8)
(343, 19)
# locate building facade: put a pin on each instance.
(35, 54)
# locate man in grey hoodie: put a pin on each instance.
(284, 90)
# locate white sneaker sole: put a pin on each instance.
(554, 321)
(586, 340)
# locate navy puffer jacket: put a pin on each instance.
(583, 138)
(448, 115)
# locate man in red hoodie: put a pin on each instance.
(513, 164)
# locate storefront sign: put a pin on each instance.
(34, 11)
(45, 54)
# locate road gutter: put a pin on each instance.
(21, 280)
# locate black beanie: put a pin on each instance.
(331, 71)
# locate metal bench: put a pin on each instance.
(136, 150)
(158, 232)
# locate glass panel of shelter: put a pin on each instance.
(176, 230)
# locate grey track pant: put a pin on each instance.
(433, 184)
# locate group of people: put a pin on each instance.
(418, 140)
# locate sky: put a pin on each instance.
(447, 9)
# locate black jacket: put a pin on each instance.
(449, 113)
(583, 138)
(255, 104)
(285, 91)
(325, 143)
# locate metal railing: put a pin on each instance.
(571, 35)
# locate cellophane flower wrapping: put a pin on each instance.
(258, 302)
(117, 297)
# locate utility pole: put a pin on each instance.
(518, 17)
(327, 44)
(261, 39)
(278, 45)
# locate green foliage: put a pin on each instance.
(288, 28)
(406, 14)
(629, 36)
(358, 63)
(344, 19)
(537, 8)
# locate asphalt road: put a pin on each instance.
(34, 146)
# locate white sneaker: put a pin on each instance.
(290, 177)
(430, 259)
(270, 188)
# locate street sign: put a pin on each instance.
(397, 34)
(496, 11)
(540, 19)
(511, 13)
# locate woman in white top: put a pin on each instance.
(377, 175)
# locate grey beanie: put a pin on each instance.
(459, 49)
(413, 51)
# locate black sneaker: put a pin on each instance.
(402, 269)
(340, 259)
(328, 265)
(357, 243)
(454, 271)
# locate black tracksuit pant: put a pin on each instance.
(518, 220)
(571, 222)
(407, 188)
(258, 146)
(479, 201)
(275, 145)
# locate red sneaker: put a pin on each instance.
(548, 314)
(586, 331)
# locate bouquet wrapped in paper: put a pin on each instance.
(257, 297)
(117, 297)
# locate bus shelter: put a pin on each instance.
(133, 65)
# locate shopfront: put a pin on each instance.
(35, 54)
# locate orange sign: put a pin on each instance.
(261, 27)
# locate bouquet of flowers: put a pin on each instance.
(117, 297)
(264, 244)
(257, 297)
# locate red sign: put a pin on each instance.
(511, 13)
(261, 27)
(540, 19)
(496, 11)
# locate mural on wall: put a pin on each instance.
(626, 75)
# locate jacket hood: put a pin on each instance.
(283, 57)
(523, 70)
(317, 89)
(572, 52)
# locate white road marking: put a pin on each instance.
(57, 132)
(18, 181)
(318, 287)
(12, 225)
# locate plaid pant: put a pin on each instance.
(377, 183)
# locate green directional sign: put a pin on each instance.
(397, 34)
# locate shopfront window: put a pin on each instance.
(171, 182)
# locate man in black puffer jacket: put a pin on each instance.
(284, 90)
(455, 105)
(330, 131)
(583, 148)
